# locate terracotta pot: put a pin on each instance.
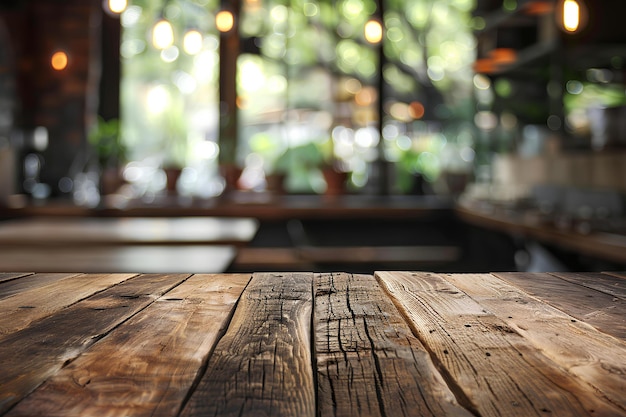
(172, 175)
(335, 181)
(231, 174)
(111, 179)
(275, 183)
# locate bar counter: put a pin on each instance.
(313, 344)
(262, 206)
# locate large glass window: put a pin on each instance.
(308, 92)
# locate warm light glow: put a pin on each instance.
(365, 97)
(192, 42)
(484, 66)
(503, 56)
(373, 31)
(157, 99)
(571, 15)
(59, 60)
(416, 110)
(162, 34)
(224, 21)
(116, 6)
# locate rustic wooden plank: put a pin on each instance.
(81, 230)
(16, 286)
(617, 274)
(593, 307)
(368, 361)
(158, 354)
(30, 356)
(493, 369)
(145, 258)
(9, 276)
(608, 284)
(594, 357)
(262, 365)
(39, 301)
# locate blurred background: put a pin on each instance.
(507, 111)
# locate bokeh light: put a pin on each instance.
(59, 60)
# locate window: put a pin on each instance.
(308, 91)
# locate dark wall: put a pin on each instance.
(64, 102)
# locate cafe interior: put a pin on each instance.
(312, 135)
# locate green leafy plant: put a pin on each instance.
(106, 140)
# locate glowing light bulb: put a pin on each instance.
(192, 42)
(224, 21)
(373, 31)
(116, 6)
(162, 34)
(59, 60)
(571, 15)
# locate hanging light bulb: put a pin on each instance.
(572, 15)
(224, 21)
(114, 7)
(192, 42)
(162, 34)
(373, 31)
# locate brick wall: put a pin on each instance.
(64, 102)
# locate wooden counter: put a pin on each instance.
(602, 245)
(95, 244)
(260, 206)
(305, 344)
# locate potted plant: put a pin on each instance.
(276, 160)
(175, 148)
(333, 169)
(111, 153)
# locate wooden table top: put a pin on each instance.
(603, 245)
(306, 344)
(45, 231)
(120, 244)
(262, 206)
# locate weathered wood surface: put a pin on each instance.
(600, 309)
(24, 307)
(9, 276)
(594, 357)
(600, 282)
(160, 353)
(17, 283)
(494, 370)
(31, 355)
(262, 365)
(368, 361)
(305, 344)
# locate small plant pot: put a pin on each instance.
(335, 181)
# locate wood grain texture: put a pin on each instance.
(368, 361)
(60, 291)
(262, 365)
(590, 355)
(608, 284)
(158, 352)
(597, 308)
(145, 258)
(14, 286)
(30, 356)
(9, 276)
(492, 368)
(617, 274)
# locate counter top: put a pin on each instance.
(604, 245)
(261, 206)
(307, 344)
